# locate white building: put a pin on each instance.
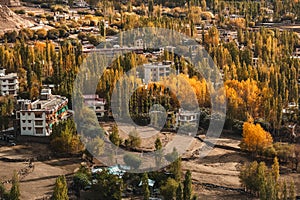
(139, 43)
(255, 62)
(153, 72)
(95, 103)
(184, 117)
(9, 84)
(80, 4)
(296, 53)
(60, 16)
(37, 118)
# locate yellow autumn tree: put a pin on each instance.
(255, 138)
(244, 99)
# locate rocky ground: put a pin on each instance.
(11, 21)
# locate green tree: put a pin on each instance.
(168, 190)
(15, 190)
(292, 193)
(187, 186)
(179, 192)
(3, 192)
(109, 186)
(102, 28)
(261, 180)
(80, 180)
(145, 186)
(175, 166)
(284, 192)
(275, 169)
(132, 161)
(96, 146)
(64, 138)
(114, 136)
(271, 187)
(158, 152)
(134, 141)
(158, 144)
(150, 8)
(60, 189)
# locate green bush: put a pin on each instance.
(21, 12)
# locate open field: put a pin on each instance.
(36, 182)
(214, 176)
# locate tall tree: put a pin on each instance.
(145, 186)
(15, 190)
(275, 169)
(187, 186)
(179, 192)
(255, 138)
(60, 189)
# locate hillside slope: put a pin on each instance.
(9, 20)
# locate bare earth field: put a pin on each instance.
(214, 176)
(36, 182)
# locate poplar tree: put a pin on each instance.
(145, 185)
(179, 192)
(60, 189)
(15, 190)
(187, 186)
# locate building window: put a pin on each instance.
(39, 131)
(24, 128)
(29, 128)
(38, 123)
(23, 121)
(29, 121)
(38, 115)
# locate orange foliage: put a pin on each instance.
(189, 89)
(255, 138)
(244, 98)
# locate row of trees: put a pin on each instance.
(27, 34)
(175, 189)
(259, 142)
(42, 63)
(265, 183)
(274, 80)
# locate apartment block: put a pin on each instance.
(154, 72)
(9, 84)
(37, 118)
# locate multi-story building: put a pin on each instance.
(184, 117)
(153, 72)
(37, 118)
(95, 103)
(255, 62)
(9, 84)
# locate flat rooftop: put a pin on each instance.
(157, 65)
(8, 76)
(53, 103)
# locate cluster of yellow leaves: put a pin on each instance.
(239, 22)
(244, 98)
(255, 138)
(212, 36)
(188, 90)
